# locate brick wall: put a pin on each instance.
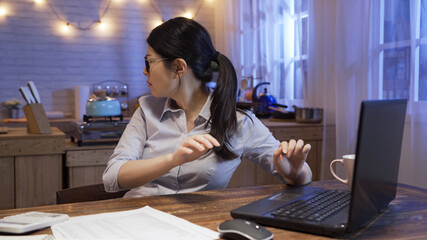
(33, 47)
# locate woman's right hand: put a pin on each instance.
(193, 148)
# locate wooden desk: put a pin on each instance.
(405, 218)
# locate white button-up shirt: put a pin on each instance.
(156, 129)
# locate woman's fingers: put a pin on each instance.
(187, 150)
(299, 145)
(294, 147)
(306, 148)
(291, 148)
(197, 145)
(290, 156)
(192, 143)
(206, 140)
(211, 139)
(202, 142)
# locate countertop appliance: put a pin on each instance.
(96, 130)
(265, 104)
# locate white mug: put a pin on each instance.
(348, 162)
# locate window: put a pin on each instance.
(396, 55)
(299, 59)
(422, 87)
(293, 51)
(274, 46)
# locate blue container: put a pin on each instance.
(103, 108)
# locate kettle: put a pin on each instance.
(103, 107)
(263, 102)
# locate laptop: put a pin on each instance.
(378, 147)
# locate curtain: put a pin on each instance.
(344, 69)
(413, 165)
(251, 33)
(338, 78)
(344, 66)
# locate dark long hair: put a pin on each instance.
(185, 38)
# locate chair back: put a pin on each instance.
(85, 194)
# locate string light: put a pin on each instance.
(101, 25)
(3, 11)
(188, 15)
(156, 23)
(87, 27)
(66, 27)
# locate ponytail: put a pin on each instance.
(223, 107)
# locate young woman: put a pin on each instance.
(187, 137)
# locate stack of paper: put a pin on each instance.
(143, 223)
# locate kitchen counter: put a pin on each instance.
(17, 142)
(63, 124)
(84, 165)
(30, 167)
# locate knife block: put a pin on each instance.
(37, 121)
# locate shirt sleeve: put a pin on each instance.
(129, 148)
(259, 144)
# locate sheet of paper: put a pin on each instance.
(143, 223)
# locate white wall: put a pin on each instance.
(33, 47)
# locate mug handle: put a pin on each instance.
(333, 173)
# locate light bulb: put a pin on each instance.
(3, 12)
(102, 25)
(39, 1)
(188, 15)
(66, 27)
(157, 23)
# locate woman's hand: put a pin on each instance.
(194, 147)
(289, 159)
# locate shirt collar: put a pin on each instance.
(204, 113)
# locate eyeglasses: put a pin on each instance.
(149, 60)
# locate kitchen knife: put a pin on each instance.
(24, 95)
(34, 91)
(29, 95)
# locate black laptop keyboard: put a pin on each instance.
(315, 207)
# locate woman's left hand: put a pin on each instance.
(289, 159)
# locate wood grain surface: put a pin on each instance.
(405, 218)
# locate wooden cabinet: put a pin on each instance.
(30, 167)
(85, 164)
(249, 174)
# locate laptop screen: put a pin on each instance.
(379, 144)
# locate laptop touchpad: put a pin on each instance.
(285, 197)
